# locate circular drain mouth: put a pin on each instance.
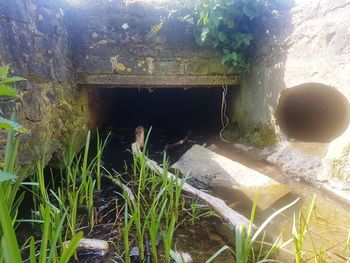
(313, 112)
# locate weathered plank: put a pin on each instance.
(145, 81)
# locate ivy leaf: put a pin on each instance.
(7, 91)
(4, 70)
(11, 125)
(204, 34)
(229, 57)
(246, 38)
(12, 79)
(5, 176)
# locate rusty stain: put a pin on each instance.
(120, 66)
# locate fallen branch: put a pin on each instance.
(230, 216)
(181, 142)
(117, 182)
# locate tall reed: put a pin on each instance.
(247, 239)
(300, 228)
(152, 210)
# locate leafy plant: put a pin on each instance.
(7, 91)
(227, 25)
(9, 179)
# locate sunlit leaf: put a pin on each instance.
(12, 79)
(4, 176)
(7, 91)
(4, 70)
(11, 125)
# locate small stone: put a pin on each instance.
(134, 252)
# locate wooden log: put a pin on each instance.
(230, 216)
(91, 246)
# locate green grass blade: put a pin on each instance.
(5, 176)
(32, 257)
(271, 217)
(57, 235)
(9, 241)
(72, 247)
(218, 253)
(45, 235)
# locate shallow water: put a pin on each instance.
(328, 227)
(329, 223)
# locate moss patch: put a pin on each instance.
(257, 135)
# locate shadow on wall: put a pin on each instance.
(313, 112)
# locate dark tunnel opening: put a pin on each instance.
(171, 112)
(312, 113)
(174, 110)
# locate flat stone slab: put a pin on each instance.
(218, 171)
(146, 81)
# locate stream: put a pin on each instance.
(328, 228)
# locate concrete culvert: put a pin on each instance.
(313, 112)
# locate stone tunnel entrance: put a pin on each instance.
(174, 110)
(313, 113)
(173, 113)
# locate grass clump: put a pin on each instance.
(247, 243)
(152, 209)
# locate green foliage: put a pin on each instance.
(10, 179)
(7, 91)
(227, 25)
(257, 135)
(153, 209)
(300, 228)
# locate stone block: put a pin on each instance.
(167, 68)
(197, 67)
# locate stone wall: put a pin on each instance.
(307, 44)
(111, 38)
(34, 43)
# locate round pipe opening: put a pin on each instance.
(312, 112)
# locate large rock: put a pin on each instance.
(218, 172)
(35, 44)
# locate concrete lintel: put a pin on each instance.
(112, 81)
